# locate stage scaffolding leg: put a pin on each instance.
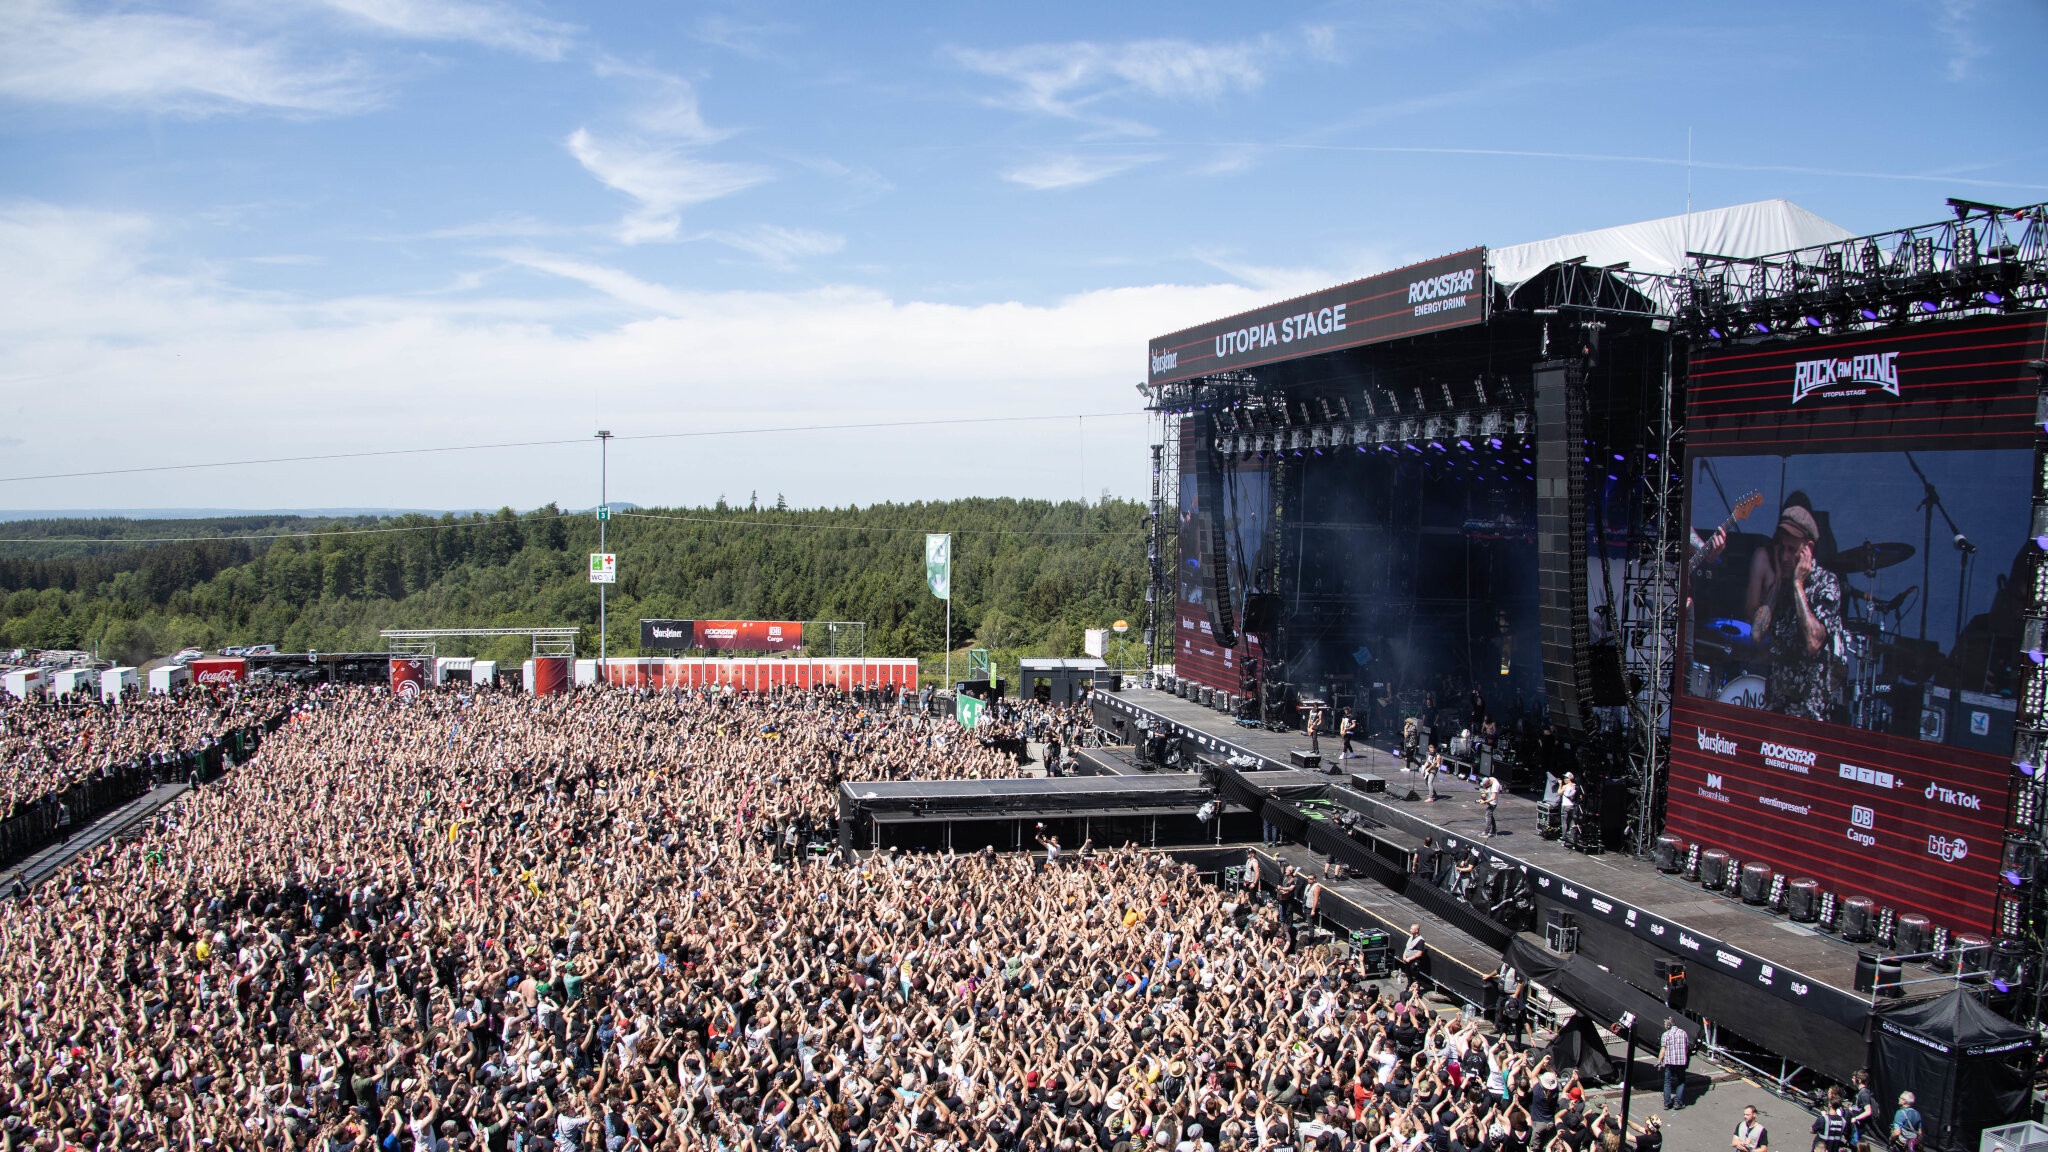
(1652, 601)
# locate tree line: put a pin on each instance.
(1029, 576)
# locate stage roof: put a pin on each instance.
(1743, 230)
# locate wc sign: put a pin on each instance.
(604, 568)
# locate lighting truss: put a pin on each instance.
(1986, 259)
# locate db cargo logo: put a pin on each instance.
(1442, 293)
(1947, 849)
(1851, 376)
(1861, 821)
(1165, 362)
(1716, 743)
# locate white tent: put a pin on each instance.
(1744, 230)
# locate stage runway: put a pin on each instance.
(1768, 953)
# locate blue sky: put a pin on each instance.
(237, 229)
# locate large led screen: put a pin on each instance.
(1850, 658)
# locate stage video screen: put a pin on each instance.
(1246, 494)
(1852, 588)
(1850, 656)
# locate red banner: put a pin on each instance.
(550, 675)
(408, 676)
(748, 635)
(219, 672)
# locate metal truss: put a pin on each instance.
(424, 641)
(1649, 638)
(1986, 259)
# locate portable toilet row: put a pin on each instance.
(65, 681)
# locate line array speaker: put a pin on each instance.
(1561, 540)
(1212, 532)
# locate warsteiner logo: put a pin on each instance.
(1716, 743)
(1849, 376)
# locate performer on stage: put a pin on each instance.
(1795, 611)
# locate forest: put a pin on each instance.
(1029, 576)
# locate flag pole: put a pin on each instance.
(949, 612)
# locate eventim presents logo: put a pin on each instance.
(1848, 376)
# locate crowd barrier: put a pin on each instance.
(54, 816)
(754, 675)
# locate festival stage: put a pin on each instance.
(1747, 968)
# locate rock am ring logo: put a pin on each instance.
(1847, 376)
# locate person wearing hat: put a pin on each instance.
(1795, 608)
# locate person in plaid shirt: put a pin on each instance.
(1673, 1055)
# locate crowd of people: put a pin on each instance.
(479, 920)
(47, 746)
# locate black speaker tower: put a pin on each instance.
(1561, 540)
(1212, 532)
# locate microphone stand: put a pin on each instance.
(1930, 503)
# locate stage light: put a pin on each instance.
(1319, 452)
(2013, 878)
(1812, 321)
(1526, 460)
(1714, 333)
(1994, 298)
(1434, 444)
(1361, 447)
(1929, 306)
(1464, 444)
(1619, 456)
(1761, 327)
(1653, 455)
(1867, 313)
(1495, 442)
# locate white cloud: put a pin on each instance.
(1070, 171)
(774, 244)
(663, 179)
(162, 362)
(1957, 26)
(54, 52)
(489, 24)
(1068, 80)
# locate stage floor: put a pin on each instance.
(1458, 814)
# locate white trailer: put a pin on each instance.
(114, 682)
(23, 683)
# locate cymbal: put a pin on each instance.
(1868, 557)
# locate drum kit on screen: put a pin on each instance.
(1871, 652)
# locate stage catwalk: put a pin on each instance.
(1716, 935)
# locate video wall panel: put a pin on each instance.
(1851, 656)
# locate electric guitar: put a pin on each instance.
(1743, 507)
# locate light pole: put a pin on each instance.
(604, 447)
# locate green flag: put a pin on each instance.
(967, 710)
(938, 564)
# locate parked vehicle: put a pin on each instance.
(187, 655)
(234, 650)
(257, 650)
